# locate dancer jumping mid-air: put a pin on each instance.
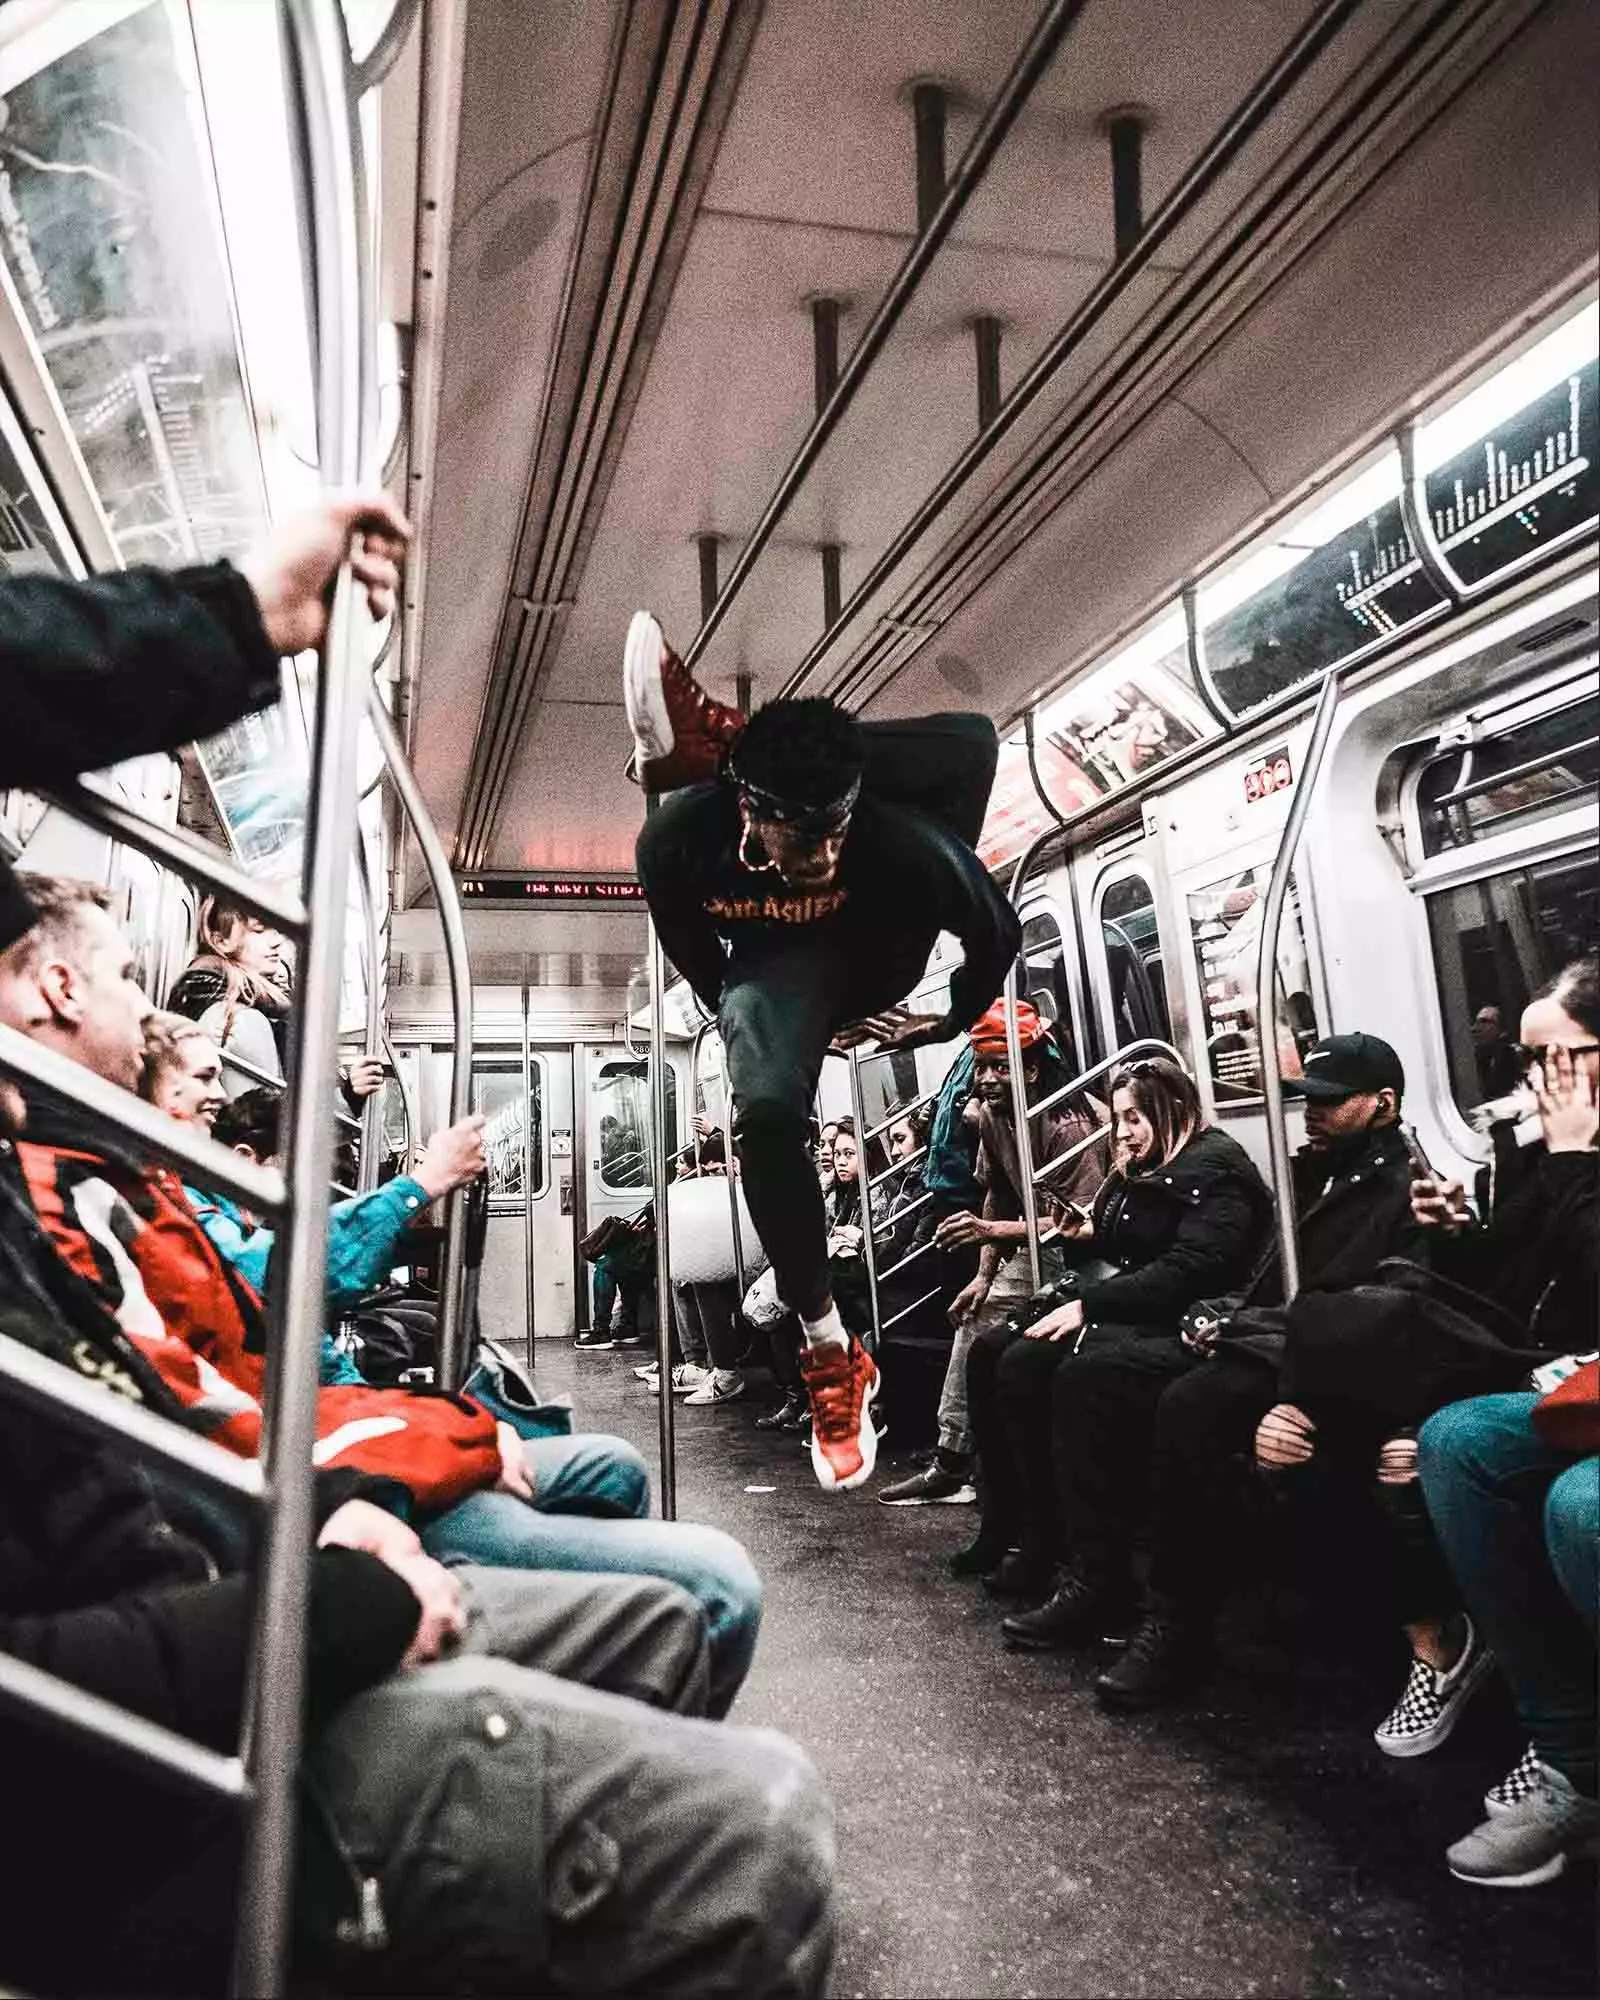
(799, 877)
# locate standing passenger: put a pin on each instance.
(799, 884)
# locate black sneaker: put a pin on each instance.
(980, 1557)
(1166, 1657)
(1080, 1610)
(634, 1340)
(798, 1421)
(595, 1340)
(792, 1406)
(935, 1485)
(1022, 1578)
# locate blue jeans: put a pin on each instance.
(591, 1513)
(1519, 1521)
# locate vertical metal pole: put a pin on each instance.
(1019, 1112)
(528, 1163)
(868, 1249)
(733, 1181)
(695, 1046)
(824, 351)
(986, 349)
(1266, 983)
(665, 1407)
(1125, 127)
(832, 593)
(372, 1041)
(929, 104)
(275, 1694)
(706, 546)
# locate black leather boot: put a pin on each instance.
(784, 1415)
(1167, 1656)
(1084, 1606)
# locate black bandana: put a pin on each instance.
(816, 820)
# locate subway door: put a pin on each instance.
(614, 1139)
(528, 1250)
(1125, 945)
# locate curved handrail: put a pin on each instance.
(387, 49)
(453, 1331)
(1266, 982)
(368, 1163)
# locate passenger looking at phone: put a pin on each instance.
(1003, 1281)
(1181, 1216)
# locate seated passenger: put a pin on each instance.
(1518, 1515)
(1003, 1281)
(239, 987)
(1353, 1209)
(127, 1228)
(1181, 1217)
(97, 1588)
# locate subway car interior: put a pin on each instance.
(1204, 397)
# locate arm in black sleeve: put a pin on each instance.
(177, 1656)
(987, 926)
(124, 664)
(1205, 1257)
(665, 861)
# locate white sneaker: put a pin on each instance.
(721, 1386)
(1431, 1703)
(1519, 1783)
(648, 1372)
(1529, 1842)
(685, 1376)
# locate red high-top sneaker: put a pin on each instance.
(680, 734)
(842, 1382)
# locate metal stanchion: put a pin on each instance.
(666, 1413)
(529, 1161)
(868, 1248)
(1019, 1112)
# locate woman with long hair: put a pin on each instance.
(238, 987)
(1180, 1217)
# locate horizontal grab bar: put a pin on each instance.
(156, 1439)
(213, 1167)
(185, 856)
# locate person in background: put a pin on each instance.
(1004, 1279)
(1494, 1054)
(1181, 1217)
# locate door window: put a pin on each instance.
(497, 1092)
(1225, 925)
(1042, 979)
(1133, 962)
(621, 1112)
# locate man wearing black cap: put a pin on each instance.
(1353, 1209)
(799, 883)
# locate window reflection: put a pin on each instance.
(112, 239)
(1225, 925)
(621, 1110)
(497, 1093)
(1133, 962)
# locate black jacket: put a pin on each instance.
(907, 872)
(118, 666)
(1186, 1232)
(1538, 1257)
(1347, 1220)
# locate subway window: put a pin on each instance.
(621, 1114)
(1225, 930)
(1133, 961)
(1495, 943)
(1042, 979)
(514, 1132)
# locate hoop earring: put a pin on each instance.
(763, 867)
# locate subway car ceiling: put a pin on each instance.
(628, 218)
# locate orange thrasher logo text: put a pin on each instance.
(777, 909)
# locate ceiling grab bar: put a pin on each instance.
(1000, 114)
(330, 167)
(665, 1413)
(453, 1331)
(1266, 983)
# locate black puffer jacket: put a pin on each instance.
(1539, 1255)
(1191, 1230)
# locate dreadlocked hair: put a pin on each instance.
(806, 752)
